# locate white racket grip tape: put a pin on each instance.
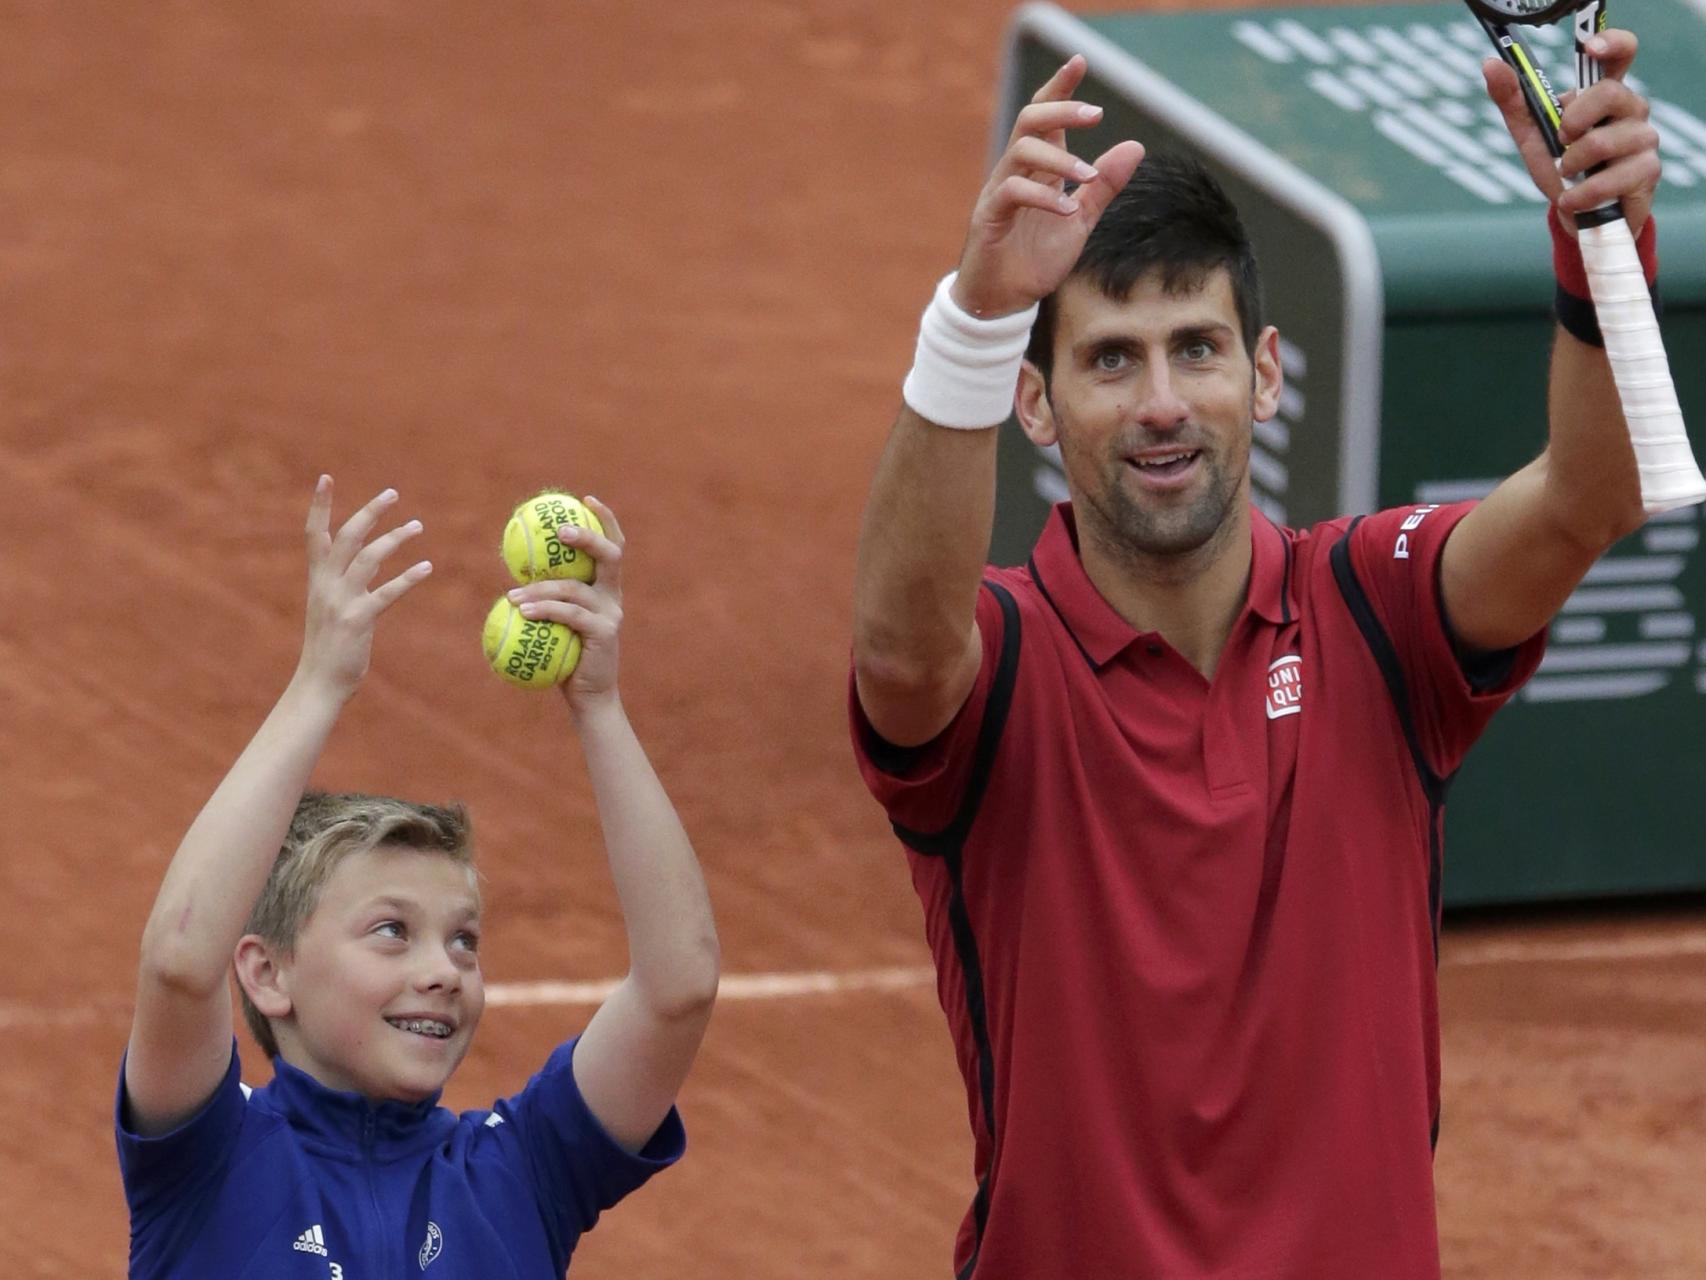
(1670, 477)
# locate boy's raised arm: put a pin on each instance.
(180, 1037)
(635, 1053)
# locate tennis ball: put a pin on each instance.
(531, 549)
(531, 653)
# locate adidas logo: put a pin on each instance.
(311, 1241)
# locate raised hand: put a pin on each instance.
(1607, 124)
(338, 638)
(1027, 231)
(593, 609)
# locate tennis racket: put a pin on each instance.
(1670, 477)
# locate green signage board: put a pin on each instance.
(1406, 264)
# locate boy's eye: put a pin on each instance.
(389, 929)
(468, 941)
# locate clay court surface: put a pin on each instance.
(673, 255)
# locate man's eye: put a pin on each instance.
(1108, 361)
(1199, 350)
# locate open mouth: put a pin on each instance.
(431, 1028)
(1165, 465)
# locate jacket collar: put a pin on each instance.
(351, 1122)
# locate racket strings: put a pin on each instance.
(1526, 10)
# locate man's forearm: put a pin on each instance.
(922, 547)
(1591, 476)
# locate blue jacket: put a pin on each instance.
(296, 1181)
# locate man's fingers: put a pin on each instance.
(1608, 100)
(1632, 177)
(1016, 193)
(1614, 49)
(1034, 158)
(1062, 83)
(1050, 120)
(1609, 143)
(1114, 168)
(384, 597)
(1505, 90)
(366, 562)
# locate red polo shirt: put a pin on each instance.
(1185, 932)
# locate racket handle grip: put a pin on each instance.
(1670, 477)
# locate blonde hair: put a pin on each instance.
(327, 828)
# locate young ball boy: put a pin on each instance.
(354, 924)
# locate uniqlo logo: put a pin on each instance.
(1285, 686)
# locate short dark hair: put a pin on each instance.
(1173, 216)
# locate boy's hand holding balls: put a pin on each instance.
(547, 539)
(532, 549)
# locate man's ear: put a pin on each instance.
(263, 980)
(1036, 414)
(1269, 375)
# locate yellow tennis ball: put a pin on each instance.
(531, 549)
(529, 652)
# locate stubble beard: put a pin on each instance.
(1160, 532)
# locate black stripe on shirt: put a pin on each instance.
(949, 845)
(1434, 786)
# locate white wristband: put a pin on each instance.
(966, 369)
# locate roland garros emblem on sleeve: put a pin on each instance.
(1285, 686)
(433, 1245)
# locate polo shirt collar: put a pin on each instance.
(1099, 630)
(349, 1121)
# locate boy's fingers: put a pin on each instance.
(591, 624)
(569, 590)
(384, 597)
(375, 553)
(600, 546)
(320, 507)
(607, 518)
(358, 526)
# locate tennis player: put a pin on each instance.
(1172, 792)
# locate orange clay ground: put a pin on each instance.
(674, 255)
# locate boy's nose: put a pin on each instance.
(439, 974)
